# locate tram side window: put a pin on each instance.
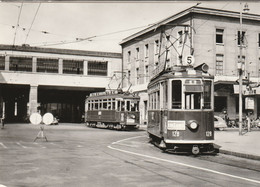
(100, 104)
(96, 105)
(118, 106)
(105, 104)
(207, 94)
(127, 105)
(176, 93)
(109, 104)
(123, 106)
(113, 104)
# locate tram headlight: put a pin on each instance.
(132, 116)
(192, 124)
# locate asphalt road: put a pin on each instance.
(76, 155)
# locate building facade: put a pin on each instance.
(211, 36)
(52, 80)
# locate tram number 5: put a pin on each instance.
(189, 60)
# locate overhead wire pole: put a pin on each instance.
(240, 68)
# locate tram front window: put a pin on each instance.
(176, 93)
(192, 100)
(134, 106)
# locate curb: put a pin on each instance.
(241, 155)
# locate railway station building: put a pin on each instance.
(211, 36)
(52, 80)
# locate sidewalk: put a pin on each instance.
(247, 145)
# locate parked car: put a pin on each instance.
(55, 121)
(219, 123)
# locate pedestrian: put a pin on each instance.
(2, 119)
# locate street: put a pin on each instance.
(76, 155)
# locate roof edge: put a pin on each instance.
(194, 9)
(60, 51)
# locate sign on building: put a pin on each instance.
(250, 103)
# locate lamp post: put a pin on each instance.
(241, 67)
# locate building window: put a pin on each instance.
(180, 37)
(21, 64)
(156, 64)
(137, 76)
(72, 67)
(2, 62)
(219, 64)
(97, 68)
(156, 47)
(137, 53)
(129, 56)
(146, 49)
(258, 39)
(241, 39)
(219, 36)
(147, 73)
(47, 65)
(129, 75)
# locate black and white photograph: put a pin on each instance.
(129, 93)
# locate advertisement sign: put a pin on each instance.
(250, 103)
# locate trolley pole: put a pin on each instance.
(241, 67)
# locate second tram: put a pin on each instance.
(113, 110)
(180, 115)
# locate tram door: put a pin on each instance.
(163, 98)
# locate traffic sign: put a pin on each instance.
(47, 118)
(35, 119)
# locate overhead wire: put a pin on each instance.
(32, 23)
(18, 20)
(88, 38)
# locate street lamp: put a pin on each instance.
(241, 66)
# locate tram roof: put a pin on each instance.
(111, 95)
(181, 73)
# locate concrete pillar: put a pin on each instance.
(231, 107)
(7, 63)
(33, 99)
(34, 64)
(60, 66)
(109, 69)
(85, 67)
(255, 107)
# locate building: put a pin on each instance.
(212, 37)
(52, 80)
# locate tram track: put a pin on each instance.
(226, 160)
(170, 164)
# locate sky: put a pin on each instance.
(93, 26)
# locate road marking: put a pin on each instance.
(39, 144)
(127, 139)
(18, 143)
(126, 145)
(3, 147)
(179, 163)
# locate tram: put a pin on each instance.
(180, 114)
(113, 109)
